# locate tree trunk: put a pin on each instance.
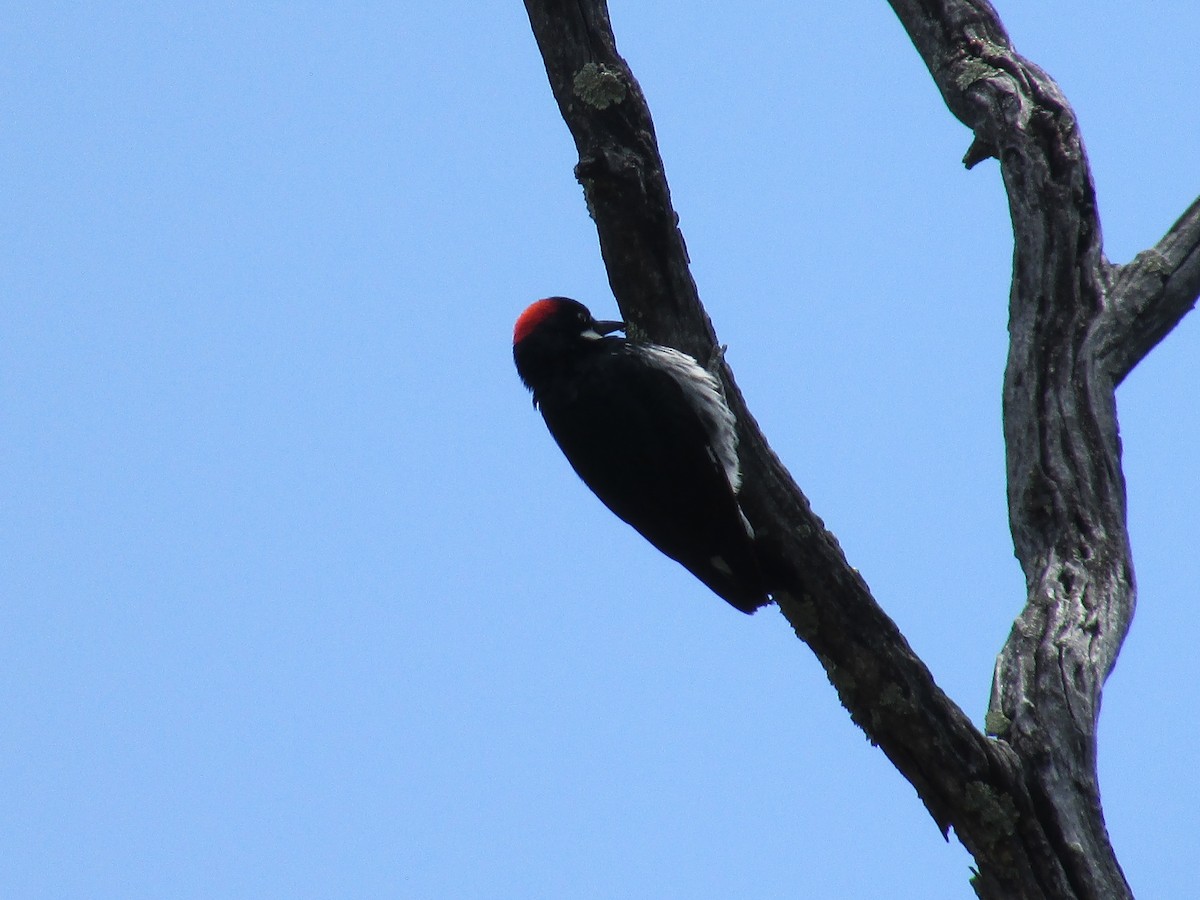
(1025, 802)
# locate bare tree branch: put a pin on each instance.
(1027, 806)
(1076, 331)
(1149, 296)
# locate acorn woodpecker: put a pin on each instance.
(647, 429)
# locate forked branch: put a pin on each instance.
(1031, 835)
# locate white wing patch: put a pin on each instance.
(705, 394)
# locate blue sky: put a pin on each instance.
(298, 597)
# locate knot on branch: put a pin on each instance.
(615, 174)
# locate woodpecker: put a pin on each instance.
(647, 429)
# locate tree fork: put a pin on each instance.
(1024, 803)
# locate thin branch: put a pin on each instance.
(1149, 296)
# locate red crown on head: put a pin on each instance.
(534, 315)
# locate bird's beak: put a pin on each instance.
(609, 327)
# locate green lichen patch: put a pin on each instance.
(997, 811)
(599, 86)
(972, 70)
(996, 723)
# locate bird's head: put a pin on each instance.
(560, 318)
(550, 334)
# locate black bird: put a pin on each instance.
(647, 429)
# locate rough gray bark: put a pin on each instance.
(1025, 803)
